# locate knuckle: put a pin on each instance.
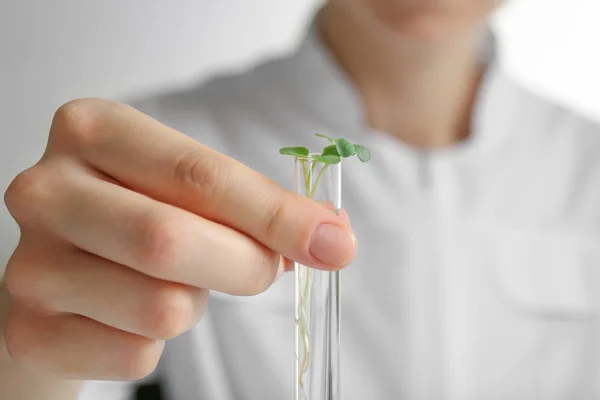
(20, 278)
(169, 314)
(76, 120)
(17, 341)
(140, 361)
(275, 218)
(23, 193)
(158, 243)
(200, 170)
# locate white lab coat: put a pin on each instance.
(477, 274)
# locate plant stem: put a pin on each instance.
(307, 274)
(314, 189)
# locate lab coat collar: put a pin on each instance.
(331, 96)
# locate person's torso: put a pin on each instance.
(476, 275)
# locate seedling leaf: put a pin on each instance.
(362, 153)
(330, 150)
(345, 148)
(294, 151)
(331, 159)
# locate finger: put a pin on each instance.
(342, 212)
(171, 167)
(344, 215)
(76, 347)
(72, 281)
(154, 238)
(289, 264)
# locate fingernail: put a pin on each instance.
(332, 245)
(280, 269)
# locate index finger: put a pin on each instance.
(164, 164)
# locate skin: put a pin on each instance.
(421, 78)
(121, 243)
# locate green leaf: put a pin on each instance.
(325, 137)
(344, 148)
(362, 153)
(330, 150)
(331, 159)
(294, 151)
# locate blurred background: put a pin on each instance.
(54, 51)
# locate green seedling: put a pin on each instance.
(333, 153)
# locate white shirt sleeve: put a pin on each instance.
(116, 390)
(107, 390)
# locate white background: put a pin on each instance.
(53, 51)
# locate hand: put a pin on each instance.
(125, 226)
